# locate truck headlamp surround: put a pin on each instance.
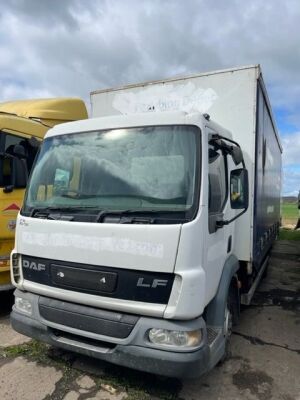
(16, 267)
(23, 305)
(15, 259)
(175, 339)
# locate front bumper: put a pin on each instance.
(134, 351)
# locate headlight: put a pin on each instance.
(175, 338)
(23, 305)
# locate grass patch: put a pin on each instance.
(289, 212)
(289, 234)
(36, 351)
(33, 349)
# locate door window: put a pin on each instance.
(217, 180)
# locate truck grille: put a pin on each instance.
(118, 283)
(87, 319)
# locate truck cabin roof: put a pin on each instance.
(47, 112)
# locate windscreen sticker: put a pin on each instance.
(186, 97)
(94, 243)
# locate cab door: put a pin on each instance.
(219, 239)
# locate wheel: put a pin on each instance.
(231, 316)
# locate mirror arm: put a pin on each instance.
(216, 137)
(220, 224)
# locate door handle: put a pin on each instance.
(229, 244)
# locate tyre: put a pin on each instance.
(231, 317)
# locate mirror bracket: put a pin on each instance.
(220, 224)
(219, 142)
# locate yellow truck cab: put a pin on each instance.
(23, 125)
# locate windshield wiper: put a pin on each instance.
(46, 211)
(130, 216)
(104, 213)
(134, 216)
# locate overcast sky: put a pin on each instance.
(71, 47)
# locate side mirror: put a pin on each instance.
(237, 155)
(239, 194)
(19, 175)
(239, 189)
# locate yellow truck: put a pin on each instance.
(23, 125)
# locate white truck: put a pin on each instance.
(145, 228)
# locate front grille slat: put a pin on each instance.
(87, 319)
(61, 335)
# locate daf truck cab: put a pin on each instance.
(138, 238)
(23, 125)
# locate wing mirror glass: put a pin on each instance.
(19, 173)
(15, 174)
(239, 189)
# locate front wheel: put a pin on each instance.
(231, 316)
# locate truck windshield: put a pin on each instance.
(148, 168)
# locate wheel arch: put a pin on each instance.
(214, 312)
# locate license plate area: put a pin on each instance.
(83, 279)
